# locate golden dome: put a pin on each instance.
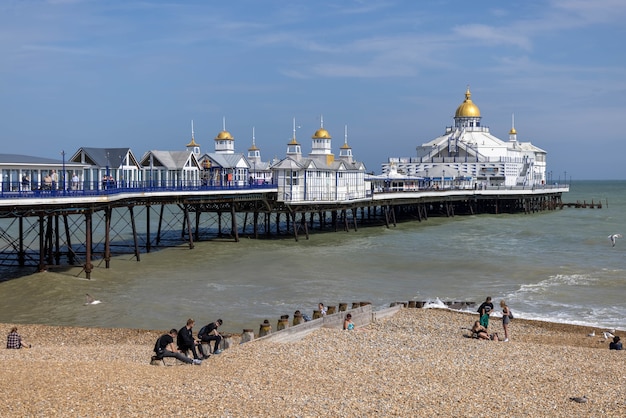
(512, 131)
(253, 148)
(224, 135)
(293, 141)
(467, 109)
(192, 143)
(345, 146)
(321, 133)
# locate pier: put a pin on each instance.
(59, 229)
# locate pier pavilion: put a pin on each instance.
(468, 150)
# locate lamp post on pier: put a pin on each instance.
(63, 173)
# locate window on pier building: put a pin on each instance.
(291, 178)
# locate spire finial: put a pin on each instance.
(223, 123)
(321, 121)
(345, 134)
(191, 128)
(253, 136)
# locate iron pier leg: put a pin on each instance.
(21, 255)
(197, 233)
(135, 239)
(42, 245)
(304, 225)
(108, 212)
(148, 228)
(49, 257)
(88, 265)
(68, 239)
(186, 215)
(158, 239)
(57, 241)
(295, 228)
(255, 221)
(233, 220)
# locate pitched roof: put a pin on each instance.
(103, 157)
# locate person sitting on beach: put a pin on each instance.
(209, 333)
(14, 340)
(480, 332)
(484, 310)
(164, 347)
(322, 308)
(616, 344)
(305, 317)
(347, 323)
(185, 340)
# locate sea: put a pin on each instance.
(556, 266)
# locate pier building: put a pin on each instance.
(224, 167)
(107, 168)
(319, 177)
(467, 155)
(260, 171)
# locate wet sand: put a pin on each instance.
(416, 363)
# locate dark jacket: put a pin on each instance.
(185, 340)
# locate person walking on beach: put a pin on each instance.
(185, 340)
(209, 333)
(164, 347)
(505, 319)
(484, 310)
(14, 340)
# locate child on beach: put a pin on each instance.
(505, 320)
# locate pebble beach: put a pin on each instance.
(416, 363)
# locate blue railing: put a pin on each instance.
(13, 190)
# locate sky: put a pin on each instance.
(135, 73)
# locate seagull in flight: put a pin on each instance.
(90, 300)
(614, 237)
